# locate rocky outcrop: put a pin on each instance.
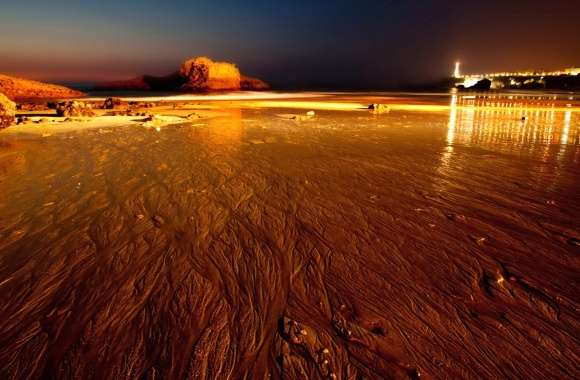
(18, 88)
(199, 74)
(203, 74)
(253, 84)
(74, 109)
(7, 111)
(133, 84)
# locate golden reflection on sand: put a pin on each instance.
(509, 124)
(218, 132)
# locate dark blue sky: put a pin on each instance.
(338, 43)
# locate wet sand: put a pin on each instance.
(438, 241)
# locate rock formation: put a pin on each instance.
(199, 74)
(18, 88)
(74, 109)
(253, 84)
(7, 111)
(203, 74)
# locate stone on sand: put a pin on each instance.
(111, 103)
(7, 111)
(74, 109)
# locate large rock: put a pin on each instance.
(253, 84)
(18, 88)
(482, 85)
(74, 109)
(203, 74)
(7, 111)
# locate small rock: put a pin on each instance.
(158, 221)
(379, 108)
(74, 109)
(310, 113)
(455, 217)
(478, 239)
(111, 103)
(21, 120)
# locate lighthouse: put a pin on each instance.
(456, 73)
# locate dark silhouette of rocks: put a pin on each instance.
(7, 111)
(170, 82)
(199, 74)
(19, 88)
(253, 84)
(482, 85)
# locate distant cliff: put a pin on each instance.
(199, 74)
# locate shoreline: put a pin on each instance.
(323, 244)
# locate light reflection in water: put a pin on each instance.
(512, 123)
(565, 134)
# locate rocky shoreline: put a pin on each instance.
(196, 75)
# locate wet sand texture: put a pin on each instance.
(345, 246)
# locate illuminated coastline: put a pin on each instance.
(517, 79)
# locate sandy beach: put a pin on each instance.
(298, 236)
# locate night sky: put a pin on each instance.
(332, 43)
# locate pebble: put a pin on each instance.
(478, 239)
(158, 221)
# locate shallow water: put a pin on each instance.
(440, 244)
